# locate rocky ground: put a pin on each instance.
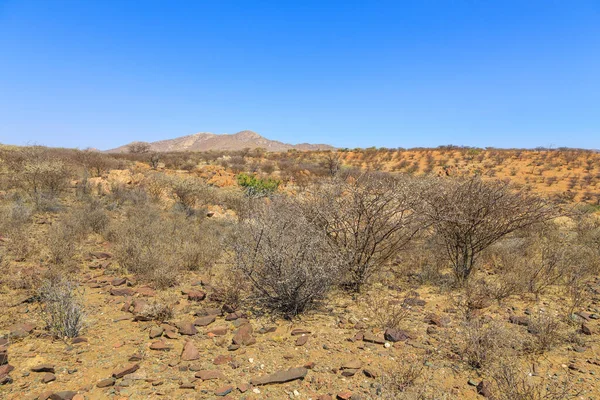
(208, 351)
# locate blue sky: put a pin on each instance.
(350, 73)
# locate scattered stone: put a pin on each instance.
(414, 302)
(243, 388)
(196, 295)
(121, 291)
(353, 364)
(104, 383)
(98, 255)
(3, 355)
(145, 291)
(208, 375)
(190, 352)
(187, 385)
(135, 358)
(345, 395)
(243, 336)
(187, 328)
(48, 377)
(218, 331)
(65, 395)
(160, 346)
(302, 340)
(586, 330)
(370, 373)
(21, 330)
(223, 391)
(43, 368)
(281, 376)
(118, 281)
(437, 320)
(299, 331)
(221, 359)
(126, 370)
(79, 340)
(234, 315)
(156, 331)
(208, 311)
(368, 337)
(484, 389)
(205, 321)
(396, 335)
(267, 329)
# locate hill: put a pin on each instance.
(205, 141)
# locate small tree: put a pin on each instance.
(138, 148)
(285, 258)
(257, 187)
(469, 214)
(368, 220)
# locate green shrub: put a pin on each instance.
(257, 187)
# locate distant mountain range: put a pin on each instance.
(206, 141)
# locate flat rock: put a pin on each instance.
(208, 311)
(243, 335)
(208, 375)
(118, 281)
(106, 383)
(368, 337)
(205, 321)
(126, 370)
(156, 331)
(299, 331)
(160, 346)
(219, 331)
(190, 352)
(281, 376)
(196, 295)
(187, 328)
(223, 390)
(519, 320)
(302, 340)
(396, 335)
(352, 364)
(121, 291)
(48, 377)
(43, 368)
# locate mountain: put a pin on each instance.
(205, 141)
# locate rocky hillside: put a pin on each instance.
(206, 141)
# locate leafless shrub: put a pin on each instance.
(386, 312)
(160, 309)
(190, 192)
(483, 343)
(285, 258)
(403, 380)
(367, 219)
(546, 330)
(470, 214)
(510, 382)
(139, 148)
(62, 309)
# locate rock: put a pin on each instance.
(126, 370)
(118, 281)
(5, 379)
(48, 377)
(187, 386)
(267, 329)
(145, 291)
(223, 390)
(437, 320)
(414, 302)
(79, 340)
(324, 397)
(208, 375)
(171, 334)
(98, 255)
(196, 295)
(3, 342)
(121, 291)
(349, 372)
(221, 359)
(523, 320)
(244, 387)
(243, 336)
(234, 315)
(373, 339)
(484, 389)
(586, 330)
(370, 373)
(299, 331)
(208, 311)
(43, 368)
(205, 321)
(156, 331)
(218, 331)
(21, 330)
(280, 377)
(106, 383)
(187, 328)
(302, 340)
(345, 395)
(64, 395)
(190, 352)
(396, 335)
(160, 346)
(6, 369)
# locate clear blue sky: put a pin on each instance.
(371, 73)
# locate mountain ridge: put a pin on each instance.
(206, 141)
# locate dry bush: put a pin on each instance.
(62, 308)
(121, 195)
(160, 308)
(510, 382)
(15, 221)
(385, 311)
(157, 246)
(62, 240)
(190, 192)
(469, 215)
(483, 343)
(405, 379)
(368, 219)
(285, 258)
(547, 332)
